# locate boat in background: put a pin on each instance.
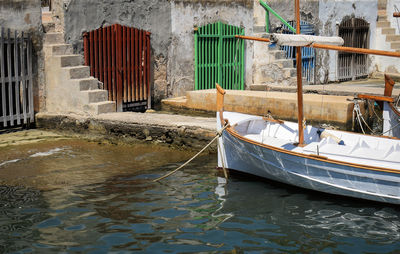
(336, 162)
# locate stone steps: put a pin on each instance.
(71, 86)
(53, 38)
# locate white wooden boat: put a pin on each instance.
(331, 161)
(359, 166)
(335, 162)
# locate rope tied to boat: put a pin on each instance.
(219, 134)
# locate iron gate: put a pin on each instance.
(355, 33)
(219, 57)
(119, 56)
(307, 54)
(16, 94)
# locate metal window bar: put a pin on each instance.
(355, 33)
(308, 55)
(119, 56)
(219, 57)
(16, 79)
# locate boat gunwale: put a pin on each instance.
(234, 133)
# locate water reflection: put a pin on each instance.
(191, 211)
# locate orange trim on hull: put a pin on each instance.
(231, 131)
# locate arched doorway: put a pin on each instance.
(355, 33)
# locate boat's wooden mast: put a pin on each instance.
(299, 78)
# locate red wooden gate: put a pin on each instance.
(119, 56)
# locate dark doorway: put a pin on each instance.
(355, 33)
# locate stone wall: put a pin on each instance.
(25, 15)
(171, 23)
(75, 17)
(185, 16)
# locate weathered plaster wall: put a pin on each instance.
(152, 15)
(331, 14)
(185, 15)
(285, 8)
(25, 15)
(171, 23)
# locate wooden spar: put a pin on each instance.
(252, 38)
(389, 84)
(299, 79)
(220, 102)
(355, 50)
(337, 48)
(375, 97)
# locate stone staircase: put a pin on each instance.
(386, 39)
(271, 67)
(386, 30)
(69, 86)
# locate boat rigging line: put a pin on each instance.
(219, 134)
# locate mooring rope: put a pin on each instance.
(219, 134)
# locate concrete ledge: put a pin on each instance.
(173, 130)
(336, 111)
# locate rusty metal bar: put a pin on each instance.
(148, 71)
(133, 63)
(104, 32)
(396, 14)
(96, 55)
(113, 63)
(144, 65)
(140, 65)
(86, 48)
(100, 53)
(123, 64)
(128, 63)
(119, 69)
(137, 64)
(91, 52)
(109, 64)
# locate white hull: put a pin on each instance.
(364, 167)
(391, 126)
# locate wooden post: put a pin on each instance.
(299, 79)
(389, 84)
(220, 102)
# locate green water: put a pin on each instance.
(75, 196)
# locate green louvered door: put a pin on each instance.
(219, 57)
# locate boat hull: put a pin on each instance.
(238, 153)
(391, 116)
